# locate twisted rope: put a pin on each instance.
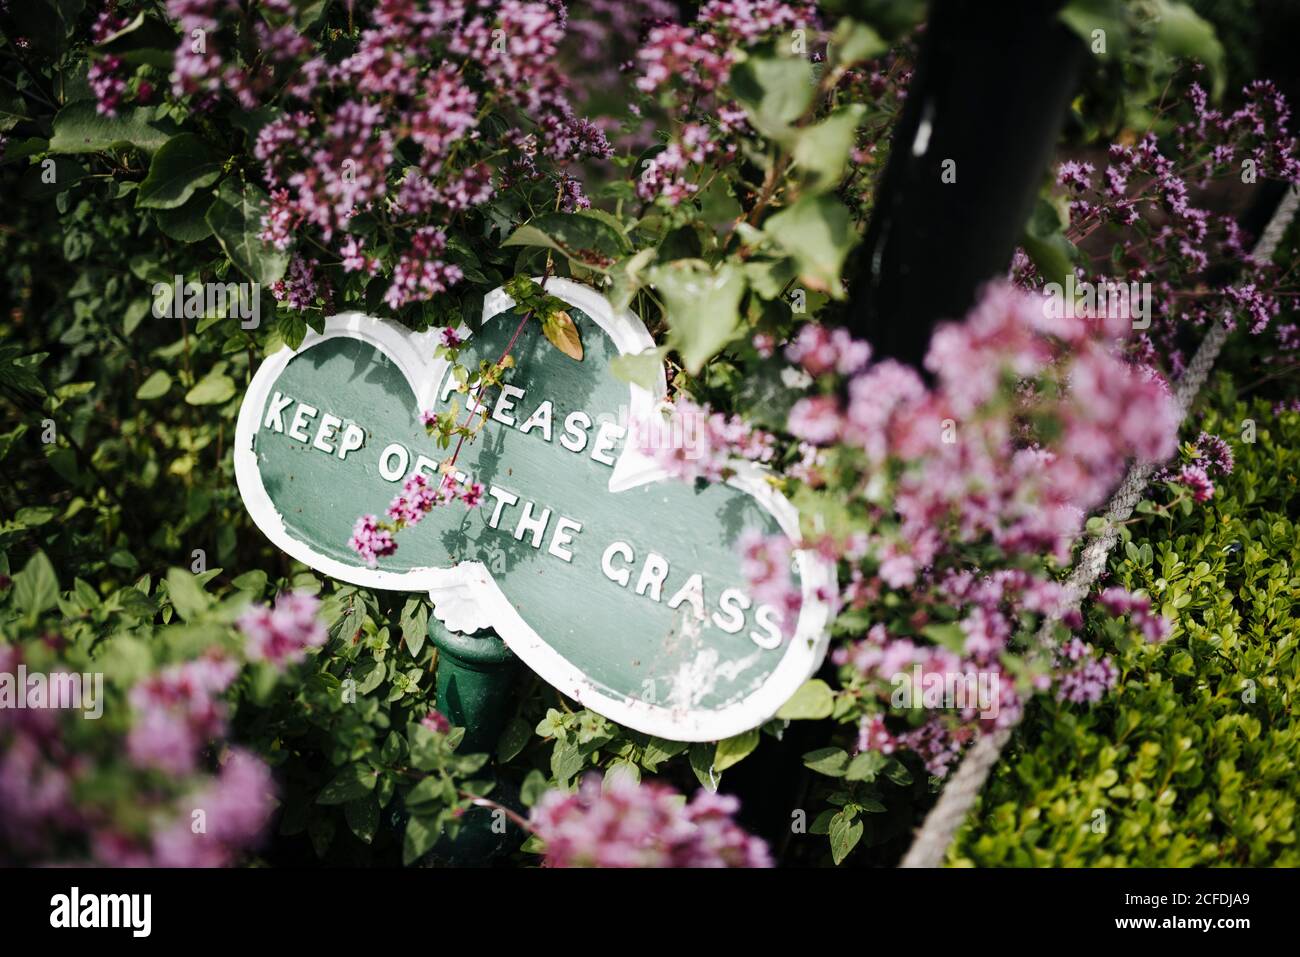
(936, 833)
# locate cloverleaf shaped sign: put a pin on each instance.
(619, 585)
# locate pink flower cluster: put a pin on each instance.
(235, 807)
(692, 442)
(621, 823)
(283, 634)
(373, 539)
(1166, 241)
(688, 67)
(1081, 676)
(49, 785)
(107, 73)
(177, 712)
(429, 73)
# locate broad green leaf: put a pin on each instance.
(817, 232)
(703, 305)
(813, 701)
(183, 164)
(79, 128)
(236, 219)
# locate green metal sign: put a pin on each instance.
(620, 586)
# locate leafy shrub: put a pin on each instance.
(1194, 759)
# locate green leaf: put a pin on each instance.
(354, 781)
(421, 834)
(703, 307)
(187, 595)
(821, 151)
(589, 238)
(1181, 32)
(36, 587)
(415, 624)
(818, 234)
(854, 42)
(187, 223)
(212, 389)
(236, 220)
(1046, 245)
(949, 634)
(813, 701)
(832, 762)
(732, 751)
(775, 92)
(865, 766)
(155, 386)
(80, 128)
(845, 832)
(513, 739)
(183, 164)
(642, 368)
(1086, 16)
(702, 758)
(363, 817)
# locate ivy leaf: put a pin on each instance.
(775, 92)
(817, 233)
(854, 42)
(560, 331)
(822, 150)
(703, 306)
(814, 700)
(845, 832)
(80, 128)
(643, 368)
(183, 164)
(236, 220)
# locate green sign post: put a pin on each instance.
(620, 586)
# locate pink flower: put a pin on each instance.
(370, 541)
(436, 721)
(625, 824)
(283, 635)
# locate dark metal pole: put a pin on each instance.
(984, 109)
